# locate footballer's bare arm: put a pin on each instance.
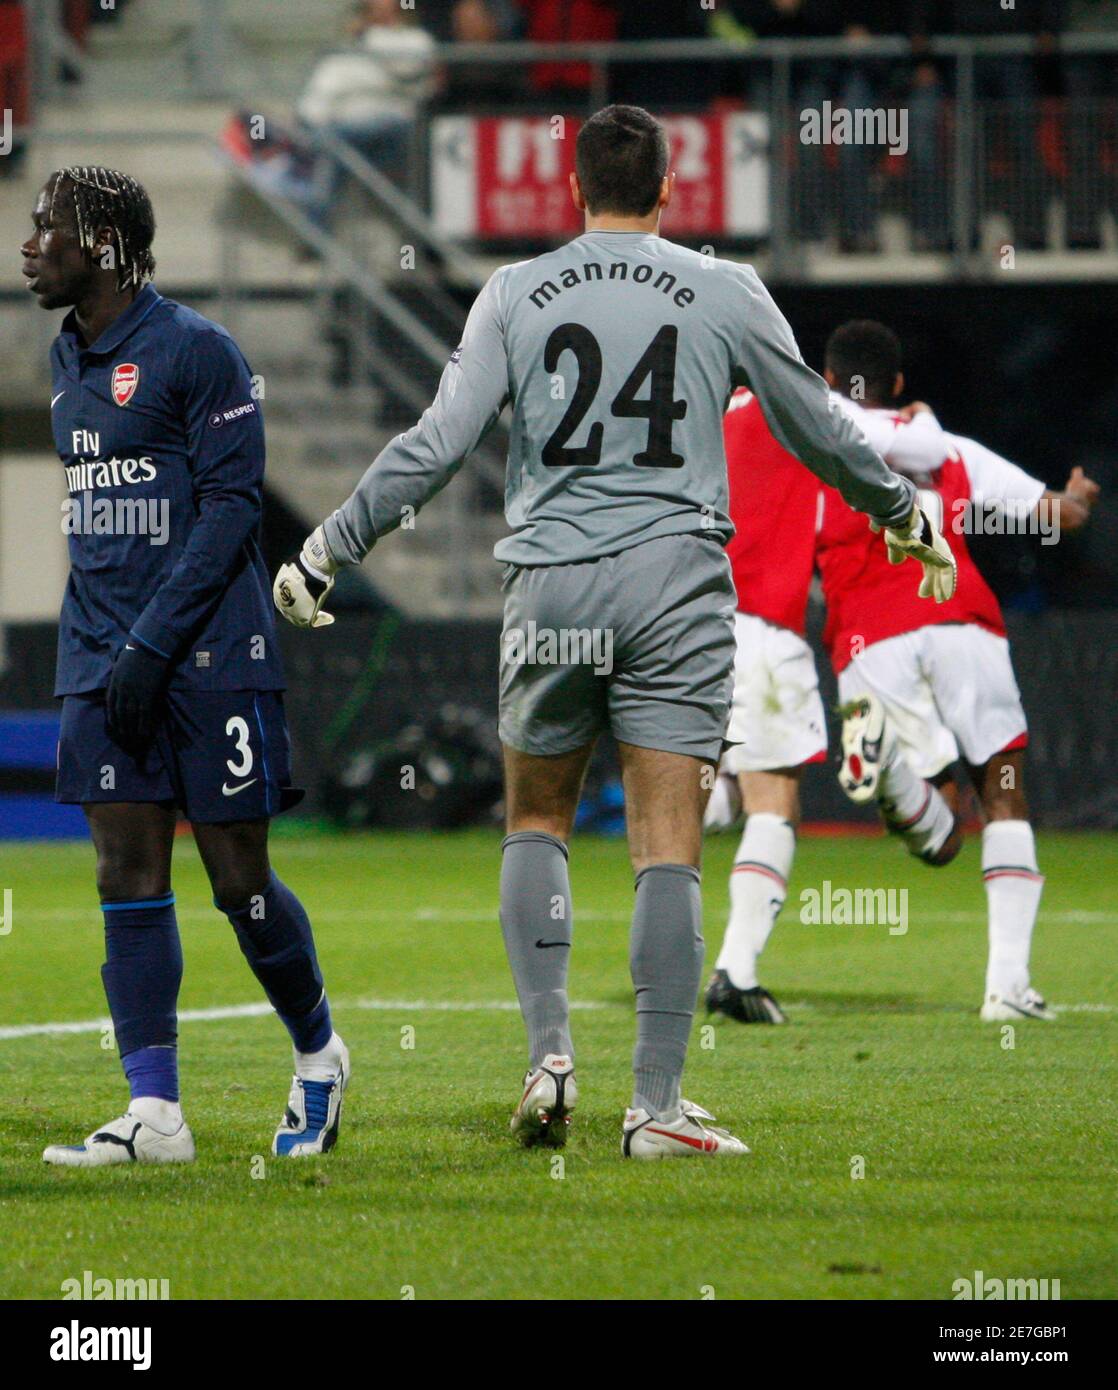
(1071, 508)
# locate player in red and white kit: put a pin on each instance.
(922, 686)
(777, 726)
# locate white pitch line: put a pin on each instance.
(258, 1010)
(1072, 916)
(457, 1006)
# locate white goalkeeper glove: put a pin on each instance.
(919, 539)
(303, 583)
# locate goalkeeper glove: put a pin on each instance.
(920, 539)
(132, 698)
(303, 583)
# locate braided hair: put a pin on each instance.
(107, 198)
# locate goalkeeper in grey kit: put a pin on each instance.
(617, 353)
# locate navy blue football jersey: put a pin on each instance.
(162, 440)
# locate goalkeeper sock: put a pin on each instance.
(537, 927)
(141, 974)
(1013, 889)
(666, 964)
(758, 886)
(912, 808)
(275, 938)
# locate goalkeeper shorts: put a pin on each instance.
(639, 644)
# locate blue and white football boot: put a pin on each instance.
(129, 1139)
(314, 1107)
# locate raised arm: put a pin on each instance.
(995, 480)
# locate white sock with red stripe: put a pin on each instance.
(913, 808)
(1013, 889)
(758, 885)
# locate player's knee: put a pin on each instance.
(557, 826)
(947, 851)
(235, 888)
(685, 850)
(121, 879)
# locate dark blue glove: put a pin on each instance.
(131, 704)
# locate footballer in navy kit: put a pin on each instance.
(168, 666)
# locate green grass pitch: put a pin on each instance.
(977, 1155)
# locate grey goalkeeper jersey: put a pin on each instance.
(617, 352)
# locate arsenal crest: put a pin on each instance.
(126, 377)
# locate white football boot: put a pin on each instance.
(544, 1112)
(864, 747)
(997, 1008)
(689, 1135)
(723, 809)
(127, 1140)
(314, 1107)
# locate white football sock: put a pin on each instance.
(758, 885)
(724, 806)
(164, 1116)
(912, 808)
(322, 1065)
(1013, 889)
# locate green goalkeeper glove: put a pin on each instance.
(919, 539)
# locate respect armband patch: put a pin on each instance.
(225, 417)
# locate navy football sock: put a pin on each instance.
(153, 1071)
(275, 938)
(141, 975)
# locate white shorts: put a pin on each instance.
(946, 690)
(776, 719)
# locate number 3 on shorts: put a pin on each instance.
(237, 728)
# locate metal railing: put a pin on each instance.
(989, 156)
(980, 97)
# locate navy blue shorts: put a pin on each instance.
(219, 755)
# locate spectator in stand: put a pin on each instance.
(470, 85)
(368, 95)
(567, 21)
(1008, 87)
(810, 82)
(863, 84)
(1089, 84)
(665, 86)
